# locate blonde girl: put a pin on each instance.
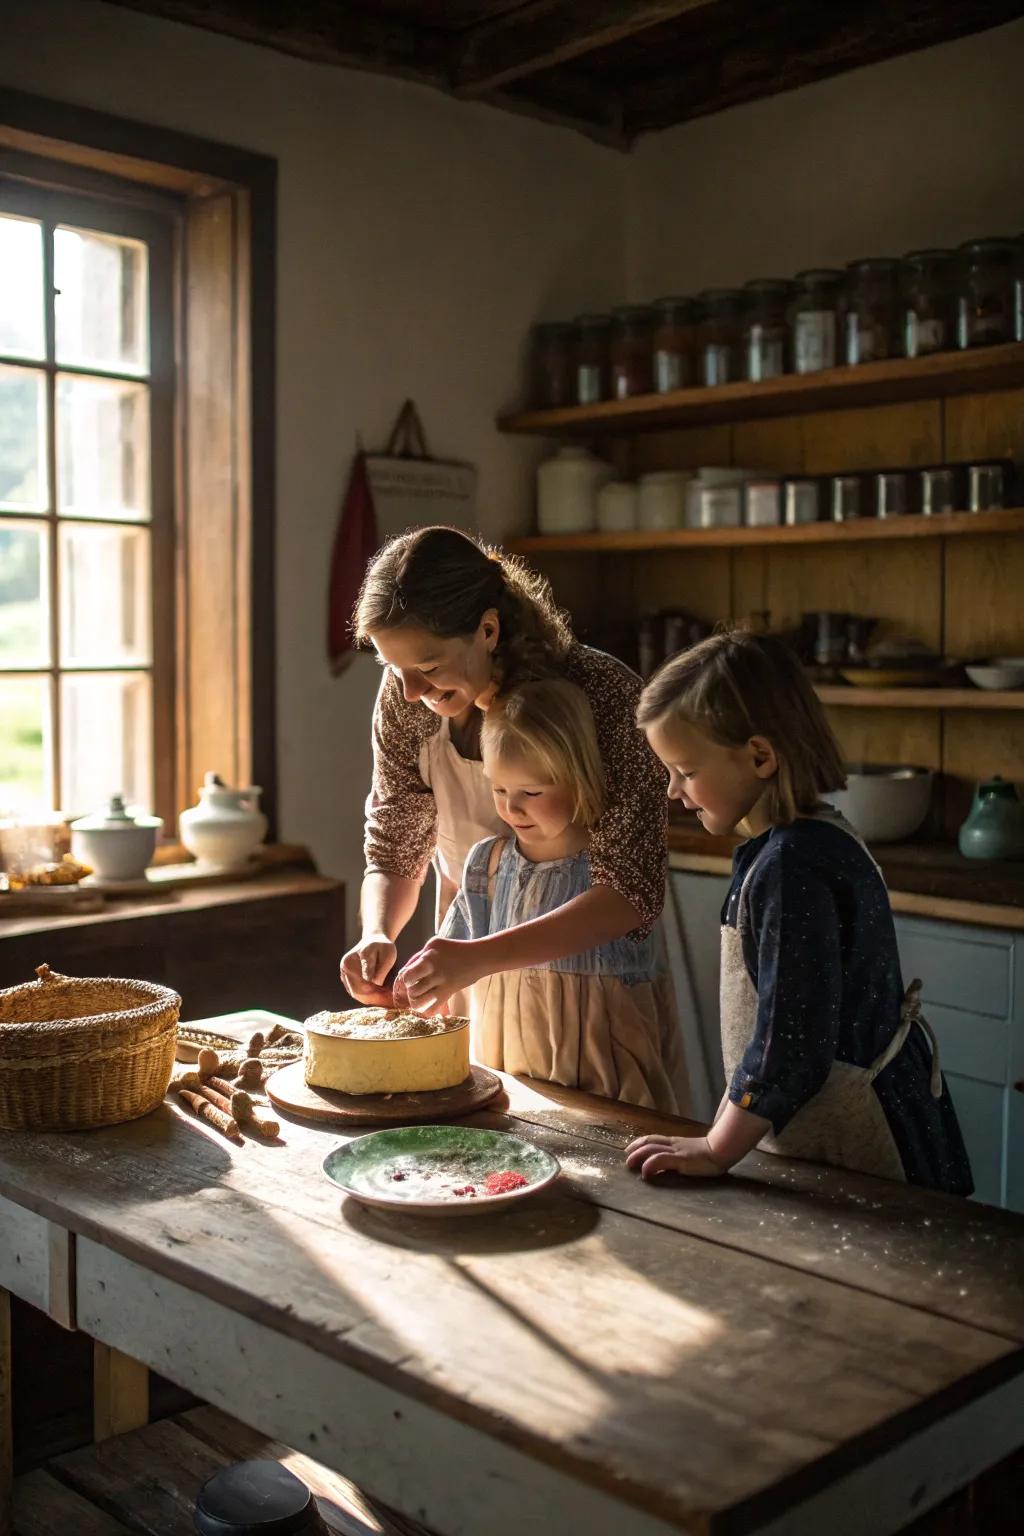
(826, 1057)
(601, 1019)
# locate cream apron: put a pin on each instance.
(844, 1124)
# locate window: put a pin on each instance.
(87, 502)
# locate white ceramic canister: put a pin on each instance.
(661, 500)
(617, 507)
(567, 488)
(225, 827)
(116, 844)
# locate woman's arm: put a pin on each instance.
(446, 966)
(386, 904)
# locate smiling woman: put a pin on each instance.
(455, 624)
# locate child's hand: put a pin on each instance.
(689, 1155)
(442, 967)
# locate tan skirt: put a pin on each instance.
(588, 1032)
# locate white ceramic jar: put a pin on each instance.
(225, 827)
(661, 500)
(616, 507)
(114, 843)
(567, 488)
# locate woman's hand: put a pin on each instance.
(441, 968)
(688, 1155)
(365, 967)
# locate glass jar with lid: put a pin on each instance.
(872, 323)
(673, 343)
(815, 309)
(551, 366)
(719, 335)
(592, 368)
(765, 327)
(632, 338)
(984, 313)
(928, 302)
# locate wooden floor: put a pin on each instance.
(146, 1483)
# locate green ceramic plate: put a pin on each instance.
(422, 1167)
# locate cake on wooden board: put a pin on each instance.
(385, 1050)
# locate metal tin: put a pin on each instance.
(987, 486)
(847, 498)
(801, 502)
(763, 503)
(892, 494)
(939, 490)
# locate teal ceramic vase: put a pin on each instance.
(994, 828)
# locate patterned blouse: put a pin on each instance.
(627, 846)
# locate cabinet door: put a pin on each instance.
(980, 1108)
(1015, 1147)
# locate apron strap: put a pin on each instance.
(910, 1014)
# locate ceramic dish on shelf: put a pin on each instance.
(1001, 672)
(440, 1170)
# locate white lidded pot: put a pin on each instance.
(225, 827)
(567, 488)
(616, 507)
(661, 501)
(116, 844)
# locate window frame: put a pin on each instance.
(234, 191)
(160, 231)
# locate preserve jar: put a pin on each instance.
(551, 370)
(632, 338)
(872, 329)
(816, 318)
(765, 329)
(719, 335)
(673, 343)
(928, 302)
(592, 361)
(984, 315)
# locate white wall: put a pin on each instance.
(418, 239)
(923, 150)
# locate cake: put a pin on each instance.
(385, 1050)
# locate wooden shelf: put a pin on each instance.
(919, 378)
(918, 698)
(949, 525)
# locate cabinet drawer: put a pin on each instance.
(36, 1261)
(971, 1044)
(963, 973)
(981, 1108)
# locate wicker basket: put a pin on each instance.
(77, 1052)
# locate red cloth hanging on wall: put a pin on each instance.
(355, 544)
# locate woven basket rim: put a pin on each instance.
(154, 999)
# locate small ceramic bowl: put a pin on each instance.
(1001, 672)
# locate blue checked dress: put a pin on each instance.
(603, 1020)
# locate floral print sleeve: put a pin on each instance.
(628, 849)
(401, 816)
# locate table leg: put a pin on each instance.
(6, 1417)
(120, 1393)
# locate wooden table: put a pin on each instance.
(790, 1350)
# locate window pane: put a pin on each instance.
(24, 596)
(103, 443)
(24, 743)
(101, 286)
(22, 324)
(22, 439)
(104, 577)
(106, 740)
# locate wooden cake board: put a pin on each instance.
(288, 1089)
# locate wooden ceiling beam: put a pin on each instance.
(544, 33)
(822, 42)
(318, 30)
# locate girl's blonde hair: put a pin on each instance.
(550, 722)
(736, 685)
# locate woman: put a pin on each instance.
(454, 623)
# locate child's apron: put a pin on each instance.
(844, 1124)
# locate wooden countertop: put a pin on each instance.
(926, 879)
(691, 1357)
